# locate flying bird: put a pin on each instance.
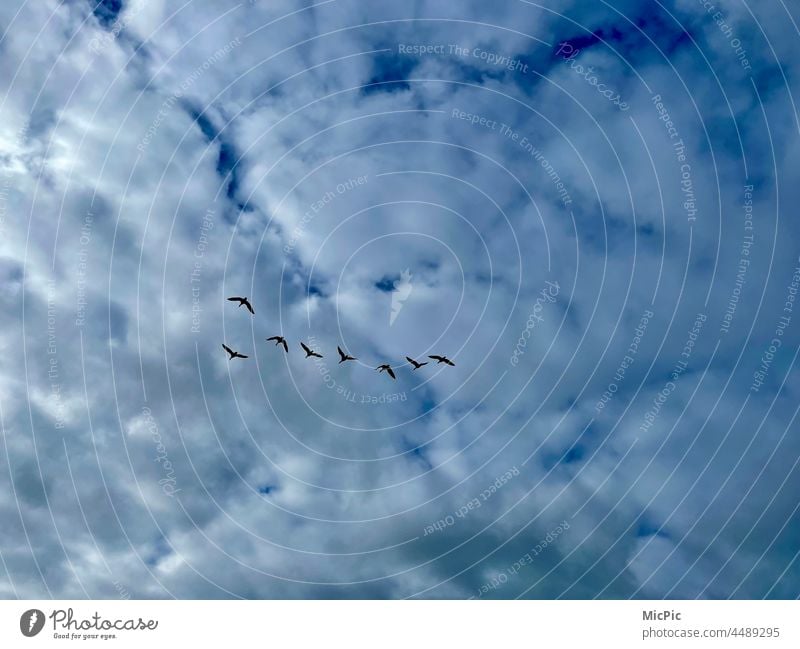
(443, 359)
(388, 369)
(243, 301)
(344, 357)
(232, 353)
(279, 340)
(308, 351)
(415, 363)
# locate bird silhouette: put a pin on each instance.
(388, 369)
(415, 363)
(443, 359)
(243, 301)
(308, 351)
(280, 340)
(232, 353)
(344, 357)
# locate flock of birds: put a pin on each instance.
(310, 353)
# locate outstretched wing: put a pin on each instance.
(274, 338)
(285, 346)
(449, 362)
(341, 353)
(411, 360)
(249, 307)
(305, 348)
(390, 372)
(227, 349)
(235, 299)
(241, 355)
(436, 358)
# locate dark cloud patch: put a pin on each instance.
(648, 527)
(118, 323)
(389, 74)
(386, 283)
(416, 455)
(30, 485)
(228, 158)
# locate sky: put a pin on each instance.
(588, 207)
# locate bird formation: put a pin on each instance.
(343, 356)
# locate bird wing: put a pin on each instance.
(411, 360)
(249, 307)
(391, 373)
(305, 348)
(436, 358)
(285, 346)
(241, 355)
(227, 349)
(449, 362)
(341, 353)
(274, 338)
(235, 299)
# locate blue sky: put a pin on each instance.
(587, 206)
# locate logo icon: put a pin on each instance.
(31, 622)
(400, 291)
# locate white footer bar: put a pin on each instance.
(388, 624)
